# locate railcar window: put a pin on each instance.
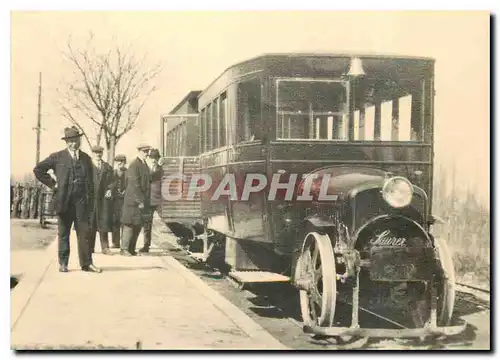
(312, 109)
(209, 128)
(249, 111)
(388, 110)
(215, 125)
(222, 120)
(203, 132)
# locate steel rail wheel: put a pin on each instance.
(316, 279)
(447, 289)
(445, 292)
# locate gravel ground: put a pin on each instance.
(28, 235)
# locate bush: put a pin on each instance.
(467, 230)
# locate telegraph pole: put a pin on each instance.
(39, 118)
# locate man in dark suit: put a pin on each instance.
(73, 197)
(102, 212)
(136, 200)
(156, 176)
(117, 196)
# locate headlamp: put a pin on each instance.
(397, 192)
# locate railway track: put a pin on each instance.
(485, 291)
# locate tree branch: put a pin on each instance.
(110, 89)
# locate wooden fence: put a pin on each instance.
(25, 201)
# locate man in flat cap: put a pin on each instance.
(156, 176)
(118, 193)
(136, 200)
(73, 197)
(102, 211)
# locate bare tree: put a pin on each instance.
(107, 93)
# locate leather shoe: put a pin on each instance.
(144, 250)
(92, 268)
(63, 268)
(125, 253)
(106, 252)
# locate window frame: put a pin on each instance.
(347, 86)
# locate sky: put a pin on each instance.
(195, 47)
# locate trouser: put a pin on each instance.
(115, 234)
(76, 213)
(129, 237)
(117, 226)
(148, 227)
(103, 236)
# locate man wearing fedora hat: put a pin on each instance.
(118, 193)
(103, 207)
(73, 197)
(156, 176)
(136, 201)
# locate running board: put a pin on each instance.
(252, 277)
(198, 256)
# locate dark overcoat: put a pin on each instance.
(119, 182)
(102, 212)
(61, 163)
(137, 191)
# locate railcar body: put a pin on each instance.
(356, 128)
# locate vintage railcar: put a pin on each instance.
(357, 128)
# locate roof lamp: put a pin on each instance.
(356, 67)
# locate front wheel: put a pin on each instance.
(446, 287)
(316, 274)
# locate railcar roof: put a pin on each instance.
(366, 55)
(384, 57)
(372, 55)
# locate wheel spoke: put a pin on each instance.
(317, 297)
(316, 260)
(317, 273)
(312, 306)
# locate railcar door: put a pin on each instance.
(180, 139)
(178, 204)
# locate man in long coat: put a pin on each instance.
(118, 193)
(73, 197)
(136, 201)
(103, 207)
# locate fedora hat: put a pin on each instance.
(71, 133)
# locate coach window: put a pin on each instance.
(389, 110)
(182, 146)
(202, 130)
(209, 127)
(176, 140)
(249, 111)
(222, 120)
(311, 109)
(215, 125)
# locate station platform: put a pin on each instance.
(147, 302)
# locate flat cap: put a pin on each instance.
(143, 147)
(120, 158)
(97, 149)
